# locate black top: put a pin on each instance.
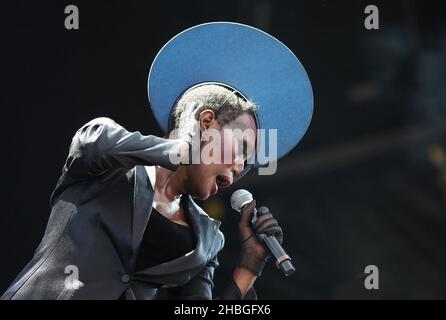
(163, 241)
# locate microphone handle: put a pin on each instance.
(281, 259)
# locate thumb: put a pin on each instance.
(247, 213)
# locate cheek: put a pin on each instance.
(228, 151)
(216, 148)
(200, 173)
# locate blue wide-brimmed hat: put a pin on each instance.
(242, 57)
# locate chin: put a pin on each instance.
(201, 189)
(201, 193)
(201, 196)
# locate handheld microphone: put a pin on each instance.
(240, 199)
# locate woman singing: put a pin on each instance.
(124, 222)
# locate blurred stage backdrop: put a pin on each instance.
(366, 186)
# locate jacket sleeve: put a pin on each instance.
(232, 292)
(102, 145)
(201, 286)
(198, 288)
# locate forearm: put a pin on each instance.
(244, 279)
(102, 145)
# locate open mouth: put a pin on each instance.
(223, 181)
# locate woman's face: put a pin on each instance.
(226, 151)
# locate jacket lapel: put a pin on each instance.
(142, 207)
(182, 269)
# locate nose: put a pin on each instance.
(237, 169)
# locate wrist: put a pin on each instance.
(252, 262)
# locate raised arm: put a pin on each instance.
(102, 145)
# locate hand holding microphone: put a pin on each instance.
(261, 235)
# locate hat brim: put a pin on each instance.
(256, 64)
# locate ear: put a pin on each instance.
(207, 119)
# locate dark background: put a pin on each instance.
(367, 184)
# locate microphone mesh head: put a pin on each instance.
(240, 198)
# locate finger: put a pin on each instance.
(263, 221)
(197, 107)
(262, 211)
(265, 217)
(273, 231)
(266, 225)
(191, 110)
(247, 213)
(190, 106)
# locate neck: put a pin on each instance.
(170, 184)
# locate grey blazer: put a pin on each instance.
(100, 208)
